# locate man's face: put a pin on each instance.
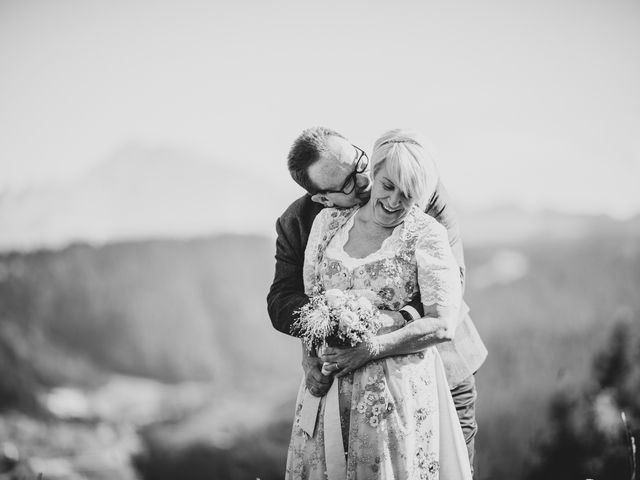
(335, 170)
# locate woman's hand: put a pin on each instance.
(345, 360)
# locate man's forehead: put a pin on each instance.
(331, 170)
(339, 149)
(326, 171)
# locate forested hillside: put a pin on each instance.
(180, 311)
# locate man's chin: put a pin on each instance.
(347, 204)
(353, 201)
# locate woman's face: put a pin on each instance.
(389, 204)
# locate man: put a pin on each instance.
(336, 173)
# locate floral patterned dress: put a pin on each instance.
(396, 416)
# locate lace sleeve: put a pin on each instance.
(319, 227)
(438, 273)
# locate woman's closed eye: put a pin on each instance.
(390, 187)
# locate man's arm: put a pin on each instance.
(286, 294)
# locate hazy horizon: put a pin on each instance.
(532, 105)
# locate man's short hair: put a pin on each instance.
(305, 151)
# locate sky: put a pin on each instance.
(533, 104)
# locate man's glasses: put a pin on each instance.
(350, 183)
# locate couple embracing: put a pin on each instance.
(401, 406)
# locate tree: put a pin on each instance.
(588, 437)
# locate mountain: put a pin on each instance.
(509, 224)
(141, 193)
(116, 336)
(170, 310)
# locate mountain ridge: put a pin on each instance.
(141, 192)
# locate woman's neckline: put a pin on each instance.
(350, 225)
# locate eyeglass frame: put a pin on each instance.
(352, 176)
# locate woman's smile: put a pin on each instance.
(390, 210)
(390, 204)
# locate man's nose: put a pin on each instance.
(363, 180)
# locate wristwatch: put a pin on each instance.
(408, 318)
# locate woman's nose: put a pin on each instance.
(395, 198)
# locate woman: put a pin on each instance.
(392, 418)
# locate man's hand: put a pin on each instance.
(317, 383)
(346, 360)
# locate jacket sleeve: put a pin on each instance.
(286, 294)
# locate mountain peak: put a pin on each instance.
(138, 192)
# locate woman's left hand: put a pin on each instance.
(345, 360)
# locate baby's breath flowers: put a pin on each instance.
(337, 319)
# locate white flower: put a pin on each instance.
(348, 321)
(316, 317)
(374, 421)
(335, 297)
(364, 303)
(362, 407)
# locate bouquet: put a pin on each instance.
(337, 319)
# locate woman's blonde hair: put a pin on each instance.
(407, 161)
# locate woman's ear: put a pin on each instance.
(322, 198)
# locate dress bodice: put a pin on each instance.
(415, 258)
(382, 276)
